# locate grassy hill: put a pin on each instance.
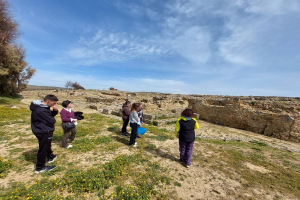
(35, 87)
(101, 165)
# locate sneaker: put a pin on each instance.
(138, 137)
(123, 134)
(126, 133)
(69, 146)
(44, 169)
(52, 160)
(135, 145)
(188, 166)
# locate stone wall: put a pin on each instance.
(270, 116)
(277, 117)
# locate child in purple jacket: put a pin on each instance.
(67, 116)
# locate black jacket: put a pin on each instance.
(185, 129)
(42, 118)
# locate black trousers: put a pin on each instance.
(125, 124)
(134, 128)
(45, 150)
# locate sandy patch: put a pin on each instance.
(256, 168)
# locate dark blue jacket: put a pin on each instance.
(42, 118)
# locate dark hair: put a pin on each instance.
(134, 107)
(66, 103)
(187, 112)
(127, 102)
(50, 97)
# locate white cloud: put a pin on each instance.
(115, 47)
(269, 7)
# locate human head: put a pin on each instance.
(140, 106)
(187, 113)
(50, 100)
(66, 104)
(127, 103)
(134, 107)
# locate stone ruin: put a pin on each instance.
(272, 116)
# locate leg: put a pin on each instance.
(50, 154)
(73, 133)
(189, 153)
(64, 143)
(182, 149)
(125, 124)
(43, 150)
(133, 133)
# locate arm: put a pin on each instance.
(46, 118)
(54, 112)
(177, 128)
(136, 117)
(196, 125)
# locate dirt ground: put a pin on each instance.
(201, 181)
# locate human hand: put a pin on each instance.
(54, 108)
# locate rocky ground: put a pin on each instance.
(228, 163)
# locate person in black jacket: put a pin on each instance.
(185, 132)
(42, 125)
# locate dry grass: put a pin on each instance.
(102, 165)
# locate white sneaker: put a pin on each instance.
(69, 146)
(135, 145)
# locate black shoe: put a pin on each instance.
(45, 169)
(126, 133)
(138, 137)
(52, 160)
(123, 134)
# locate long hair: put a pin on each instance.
(187, 112)
(134, 107)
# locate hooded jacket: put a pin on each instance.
(42, 118)
(125, 112)
(185, 127)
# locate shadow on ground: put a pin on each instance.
(30, 155)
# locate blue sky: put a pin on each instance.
(217, 47)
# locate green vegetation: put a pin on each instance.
(101, 165)
(4, 167)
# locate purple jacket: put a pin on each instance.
(66, 116)
(125, 112)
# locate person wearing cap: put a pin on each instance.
(67, 116)
(185, 132)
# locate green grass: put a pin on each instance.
(88, 144)
(279, 178)
(77, 183)
(95, 168)
(9, 100)
(5, 167)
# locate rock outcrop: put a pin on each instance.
(277, 117)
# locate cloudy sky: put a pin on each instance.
(220, 47)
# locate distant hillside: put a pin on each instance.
(36, 87)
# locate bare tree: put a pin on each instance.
(77, 86)
(68, 84)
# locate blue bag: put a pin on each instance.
(141, 130)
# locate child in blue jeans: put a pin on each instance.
(141, 116)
